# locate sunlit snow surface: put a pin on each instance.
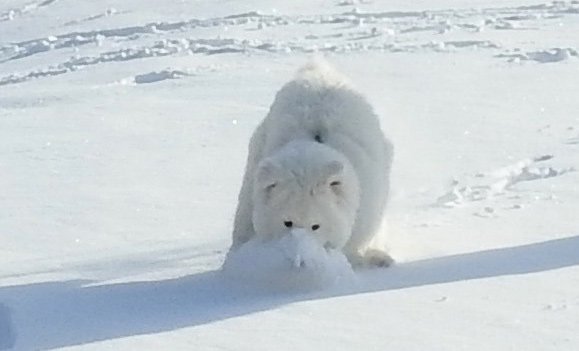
(124, 127)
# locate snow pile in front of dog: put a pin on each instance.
(294, 262)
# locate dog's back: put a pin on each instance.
(319, 73)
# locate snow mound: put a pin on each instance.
(294, 262)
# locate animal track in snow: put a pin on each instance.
(166, 74)
(484, 186)
(341, 33)
(220, 46)
(400, 21)
(20, 11)
(153, 77)
(107, 13)
(541, 56)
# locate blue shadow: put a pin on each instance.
(7, 337)
(58, 314)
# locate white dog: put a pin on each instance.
(318, 162)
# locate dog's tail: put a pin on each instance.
(319, 72)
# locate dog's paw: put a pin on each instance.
(378, 258)
(371, 259)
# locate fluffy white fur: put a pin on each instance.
(318, 158)
(309, 186)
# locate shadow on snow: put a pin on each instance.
(57, 314)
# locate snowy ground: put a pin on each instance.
(123, 135)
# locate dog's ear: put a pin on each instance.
(268, 175)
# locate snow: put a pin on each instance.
(117, 197)
(6, 328)
(294, 262)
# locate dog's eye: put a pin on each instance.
(315, 227)
(335, 183)
(288, 224)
